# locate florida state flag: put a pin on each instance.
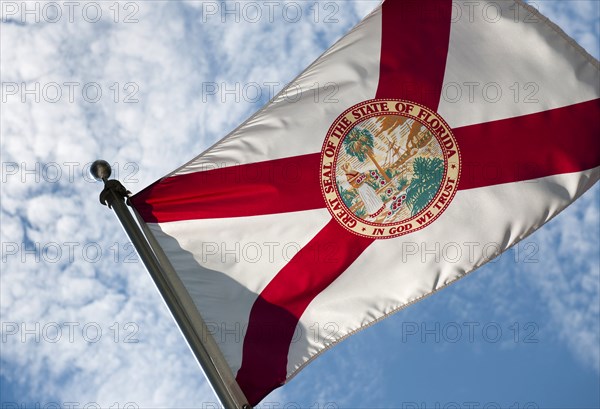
(445, 129)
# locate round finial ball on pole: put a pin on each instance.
(100, 170)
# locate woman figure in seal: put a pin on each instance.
(373, 204)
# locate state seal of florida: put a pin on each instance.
(388, 167)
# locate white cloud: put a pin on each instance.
(578, 18)
(568, 276)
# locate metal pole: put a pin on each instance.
(114, 196)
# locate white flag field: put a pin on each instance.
(314, 211)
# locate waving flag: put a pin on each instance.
(443, 129)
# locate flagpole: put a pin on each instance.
(114, 195)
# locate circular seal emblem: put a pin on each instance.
(389, 167)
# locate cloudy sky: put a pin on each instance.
(147, 86)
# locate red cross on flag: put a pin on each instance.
(444, 130)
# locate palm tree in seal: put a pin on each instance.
(359, 143)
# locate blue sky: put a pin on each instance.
(81, 321)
